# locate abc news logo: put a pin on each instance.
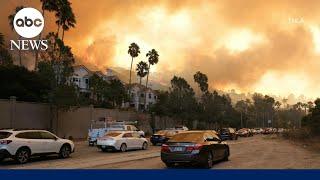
(28, 23)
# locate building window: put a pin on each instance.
(149, 95)
(155, 97)
(87, 81)
(142, 95)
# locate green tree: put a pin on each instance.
(11, 18)
(312, 120)
(5, 56)
(97, 86)
(24, 84)
(202, 81)
(115, 93)
(1, 40)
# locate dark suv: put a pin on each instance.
(228, 134)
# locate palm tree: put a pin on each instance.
(134, 52)
(11, 18)
(65, 16)
(68, 19)
(142, 70)
(153, 59)
(47, 5)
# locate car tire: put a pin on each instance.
(104, 150)
(145, 146)
(169, 165)
(209, 162)
(22, 156)
(65, 151)
(226, 155)
(123, 147)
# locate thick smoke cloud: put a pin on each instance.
(200, 35)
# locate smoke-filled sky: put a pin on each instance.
(271, 47)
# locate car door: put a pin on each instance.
(128, 139)
(216, 145)
(50, 142)
(33, 140)
(137, 141)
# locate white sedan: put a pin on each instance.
(122, 140)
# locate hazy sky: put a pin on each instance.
(266, 46)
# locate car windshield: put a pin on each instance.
(113, 134)
(161, 132)
(225, 130)
(4, 135)
(187, 137)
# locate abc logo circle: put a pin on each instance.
(28, 22)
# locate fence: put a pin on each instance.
(16, 114)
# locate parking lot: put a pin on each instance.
(259, 151)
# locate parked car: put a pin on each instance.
(268, 131)
(194, 147)
(100, 128)
(228, 134)
(244, 132)
(22, 144)
(122, 141)
(259, 130)
(162, 136)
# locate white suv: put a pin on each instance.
(22, 144)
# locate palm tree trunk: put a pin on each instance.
(37, 51)
(145, 99)
(20, 60)
(62, 34)
(130, 80)
(148, 76)
(139, 95)
(130, 71)
(58, 31)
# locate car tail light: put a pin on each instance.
(4, 142)
(165, 148)
(194, 149)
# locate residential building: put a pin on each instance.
(141, 97)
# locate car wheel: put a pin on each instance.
(209, 163)
(145, 146)
(65, 151)
(123, 148)
(23, 155)
(226, 155)
(104, 150)
(170, 165)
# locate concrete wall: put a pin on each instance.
(15, 114)
(75, 123)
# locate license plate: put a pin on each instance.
(178, 149)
